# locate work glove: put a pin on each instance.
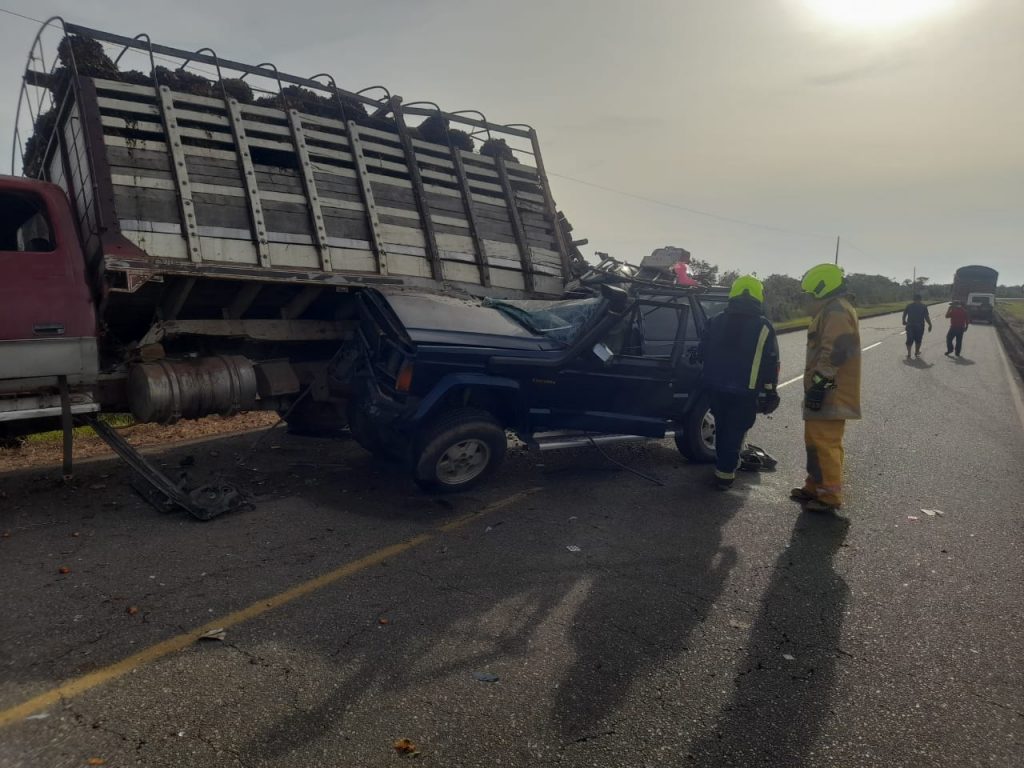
(767, 402)
(814, 398)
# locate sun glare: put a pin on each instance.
(877, 13)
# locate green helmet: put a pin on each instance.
(823, 280)
(747, 285)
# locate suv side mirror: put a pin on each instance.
(617, 298)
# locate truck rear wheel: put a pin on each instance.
(458, 450)
(697, 440)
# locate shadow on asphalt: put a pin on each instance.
(917, 363)
(642, 615)
(785, 685)
(962, 361)
(642, 604)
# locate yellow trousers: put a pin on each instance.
(824, 441)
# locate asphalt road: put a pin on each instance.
(690, 627)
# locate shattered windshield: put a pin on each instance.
(560, 321)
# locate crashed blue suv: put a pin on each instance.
(440, 381)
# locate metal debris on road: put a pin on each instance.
(485, 677)
(933, 512)
(573, 548)
(214, 634)
(789, 657)
(913, 518)
(40, 716)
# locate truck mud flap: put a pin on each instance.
(203, 503)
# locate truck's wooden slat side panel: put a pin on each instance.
(507, 230)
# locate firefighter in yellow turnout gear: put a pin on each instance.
(831, 386)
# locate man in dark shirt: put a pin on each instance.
(740, 370)
(914, 318)
(958, 322)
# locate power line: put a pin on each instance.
(21, 16)
(687, 209)
(155, 55)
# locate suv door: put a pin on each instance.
(633, 392)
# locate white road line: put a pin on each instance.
(800, 377)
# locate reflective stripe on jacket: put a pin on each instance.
(833, 350)
(739, 350)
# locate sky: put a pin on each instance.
(750, 132)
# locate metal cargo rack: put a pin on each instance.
(168, 183)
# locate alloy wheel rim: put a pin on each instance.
(463, 461)
(707, 430)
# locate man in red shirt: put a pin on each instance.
(958, 322)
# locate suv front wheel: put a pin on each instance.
(458, 450)
(697, 440)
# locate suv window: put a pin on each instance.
(713, 304)
(24, 226)
(660, 326)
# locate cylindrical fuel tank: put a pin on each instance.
(168, 390)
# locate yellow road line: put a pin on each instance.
(180, 642)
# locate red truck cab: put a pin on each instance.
(47, 313)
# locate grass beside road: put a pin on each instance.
(862, 312)
(1011, 310)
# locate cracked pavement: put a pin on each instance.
(691, 628)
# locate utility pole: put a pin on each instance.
(837, 249)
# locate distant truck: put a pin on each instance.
(975, 288)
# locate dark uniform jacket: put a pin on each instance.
(739, 350)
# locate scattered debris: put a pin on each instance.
(64, 569)
(131, 610)
(5, 535)
(789, 657)
(485, 677)
(933, 512)
(573, 518)
(214, 634)
(406, 747)
(913, 518)
(383, 621)
(39, 716)
(573, 548)
(75, 535)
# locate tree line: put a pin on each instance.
(784, 300)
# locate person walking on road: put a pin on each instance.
(958, 322)
(740, 370)
(914, 318)
(831, 386)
